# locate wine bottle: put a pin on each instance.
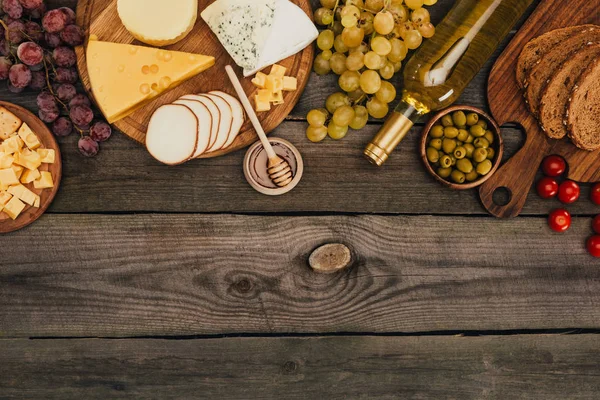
(438, 73)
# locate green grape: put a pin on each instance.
(343, 116)
(336, 132)
(363, 48)
(326, 54)
(429, 2)
(325, 40)
(349, 20)
(377, 109)
(356, 95)
(366, 22)
(387, 71)
(316, 134)
(381, 45)
(317, 117)
(387, 93)
(355, 61)
(349, 81)
(402, 29)
(321, 65)
(370, 82)
(399, 12)
(353, 36)
(373, 60)
(397, 66)
(427, 30)
(358, 3)
(339, 45)
(328, 4)
(338, 63)
(361, 117)
(336, 100)
(337, 28)
(384, 22)
(323, 16)
(350, 10)
(374, 5)
(413, 39)
(420, 16)
(398, 52)
(414, 4)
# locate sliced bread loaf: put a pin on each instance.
(583, 111)
(555, 96)
(552, 61)
(538, 47)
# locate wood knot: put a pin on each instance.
(243, 285)
(330, 258)
(290, 367)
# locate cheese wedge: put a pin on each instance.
(124, 77)
(158, 22)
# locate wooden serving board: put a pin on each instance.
(100, 18)
(31, 214)
(507, 105)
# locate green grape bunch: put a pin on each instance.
(364, 42)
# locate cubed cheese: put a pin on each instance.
(18, 170)
(12, 145)
(9, 123)
(260, 80)
(44, 182)
(37, 201)
(47, 155)
(264, 95)
(23, 194)
(8, 177)
(6, 160)
(261, 105)
(14, 207)
(277, 98)
(30, 175)
(4, 198)
(274, 83)
(28, 137)
(290, 84)
(28, 159)
(278, 70)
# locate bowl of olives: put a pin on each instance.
(462, 147)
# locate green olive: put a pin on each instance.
(448, 145)
(460, 152)
(447, 120)
(489, 136)
(437, 131)
(481, 142)
(482, 124)
(453, 159)
(491, 153)
(472, 119)
(432, 155)
(444, 172)
(479, 155)
(470, 139)
(450, 132)
(436, 144)
(445, 161)
(477, 131)
(463, 134)
(464, 165)
(469, 148)
(472, 176)
(459, 118)
(458, 176)
(484, 167)
(441, 153)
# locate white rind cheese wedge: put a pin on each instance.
(172, 134)
(214, 112)
(225, 124)
(158, 22)
(238, 116)
(205, 123)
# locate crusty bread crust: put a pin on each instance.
(583, 111)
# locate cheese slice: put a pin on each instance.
(124, 77)
(158, 22)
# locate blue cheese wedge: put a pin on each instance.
(242, 27)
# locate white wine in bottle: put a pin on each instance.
(445, 64)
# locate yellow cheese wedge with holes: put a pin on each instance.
(125, 77)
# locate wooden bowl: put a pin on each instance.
(498, 146)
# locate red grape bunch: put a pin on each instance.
(37, 53)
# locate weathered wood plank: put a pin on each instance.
(144, 275)
(439, 367)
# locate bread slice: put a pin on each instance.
(538, 47)
(540, 74)
(583, 111)
(553, 105)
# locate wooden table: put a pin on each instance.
(145, 281)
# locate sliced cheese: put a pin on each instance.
(225, 124)
(237, 114)
(215, 113)
(172, 134)
(158, 22)
(204, 124)
(124, 77)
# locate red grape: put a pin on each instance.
(34, 31)
(4, 47)
(88, 147)
(30, 53)
(13, 8)
(5, 65)
(15, 32)
(37, 13)
(66, 92)
(13, 89)
(80, 100)
(54, 21)
(66, 75)
(36, 67)
(81, 115)
(62, 127)
(19, 75)
(70, 14)
(100, 131)
(31, 4)
(52, 39)
(45, 101)
(72, 35)
(48, 116)
(38, 80)
(64, 56)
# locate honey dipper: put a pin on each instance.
(279, 170)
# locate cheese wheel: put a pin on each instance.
(158, 22)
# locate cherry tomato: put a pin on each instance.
(596, 194)
(547, 188)
(554, 166)
(593, 246)
(596, 224)
(559, 220)
(568, 192)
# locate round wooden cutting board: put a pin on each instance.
(31, 214)
(100, 18)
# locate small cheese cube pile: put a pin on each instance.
(21, 156)
(271, 87)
